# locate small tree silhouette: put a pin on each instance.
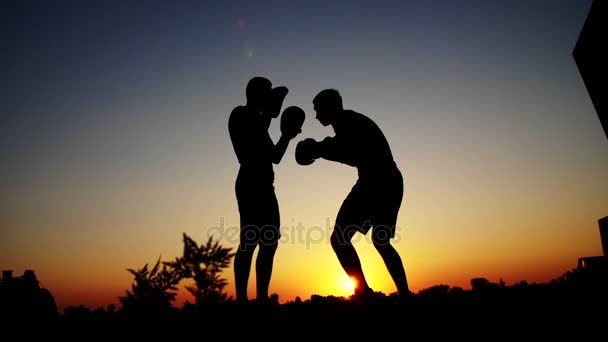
(153, 289)
(204, 264)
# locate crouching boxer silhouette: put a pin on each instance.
(375, 199)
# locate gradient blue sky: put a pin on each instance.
(113, 135)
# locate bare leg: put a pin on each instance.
(347, 255)
(263, 268)
(242, 266)
(392, 260)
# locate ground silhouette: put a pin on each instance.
(573, 304)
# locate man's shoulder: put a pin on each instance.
(358, 119)
(354, 115)
(238, 114)
(238, 111)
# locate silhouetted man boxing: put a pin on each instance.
(257, 203)
(375, 199)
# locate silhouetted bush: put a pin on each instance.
(204, 264)
(155, 290)
(435, 290)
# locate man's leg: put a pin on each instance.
(349, 221)
(347, 255)
(263, 268)
(268, 242)
(242, 266)
(381, 236)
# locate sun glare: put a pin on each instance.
(347, 284)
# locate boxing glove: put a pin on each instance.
(306, 151)
(275, 102)
(292, 120)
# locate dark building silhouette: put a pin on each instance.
(603, 222)
(24, 298)
(598, 263)
(591, 57)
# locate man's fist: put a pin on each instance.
(275, 101)
(306, 151)
(292, 120)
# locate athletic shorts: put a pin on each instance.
(373, 202)
(258, 210)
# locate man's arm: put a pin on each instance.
(241, 135)
(335, 149)
(287, 134)
(280, 148)
(265, 120)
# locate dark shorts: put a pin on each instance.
(373, 202)
(259, 212)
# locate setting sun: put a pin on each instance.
(347, 284)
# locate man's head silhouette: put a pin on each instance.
(327, 104)
(258, 93)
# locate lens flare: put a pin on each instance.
(247, 47)
(249, 52)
